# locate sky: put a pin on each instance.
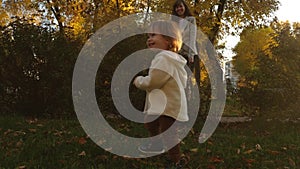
(288, 10)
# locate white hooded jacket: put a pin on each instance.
(165, 85)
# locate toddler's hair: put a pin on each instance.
(170, 31)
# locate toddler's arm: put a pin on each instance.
(155, 80)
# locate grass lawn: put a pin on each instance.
(53, 143)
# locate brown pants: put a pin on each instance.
(158, 126)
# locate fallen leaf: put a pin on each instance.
(210, 142)
(7, 131)
(192, 131)
(135, 166)
(39, 125)
(17, 133)
(82, 140)
(274, 152)
(108, 149)
(268, 161)
(31, 120)
(62, 161)
(243, 146)
(19, 143)
(258, 147)
(194, 150)
(82, 153)
(249, 160)
(32, 130)
(58, 133)
(216, 160)
(292, 162)
(22, 167)
(248, 151)
(101, 142)
(102, 157)
(211, 167)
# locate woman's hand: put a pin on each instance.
(191, 59)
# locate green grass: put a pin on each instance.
(233, 107)
(53, 143)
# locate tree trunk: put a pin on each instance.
(55, 10)
(217, 25)
(118, 8)
(148, 9)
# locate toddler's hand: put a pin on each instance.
(134, 81)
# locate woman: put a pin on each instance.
(187, 25)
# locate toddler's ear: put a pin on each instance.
(170, 46)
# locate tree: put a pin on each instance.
(36, 69)
(219, 17)
(267, 61)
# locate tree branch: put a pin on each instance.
(57, 16)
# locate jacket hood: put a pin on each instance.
(174, 57)
(179, 62)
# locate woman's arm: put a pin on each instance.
(192, 38)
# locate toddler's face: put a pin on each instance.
(156, 40)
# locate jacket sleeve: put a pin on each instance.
(192, 37)
(158, 75)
